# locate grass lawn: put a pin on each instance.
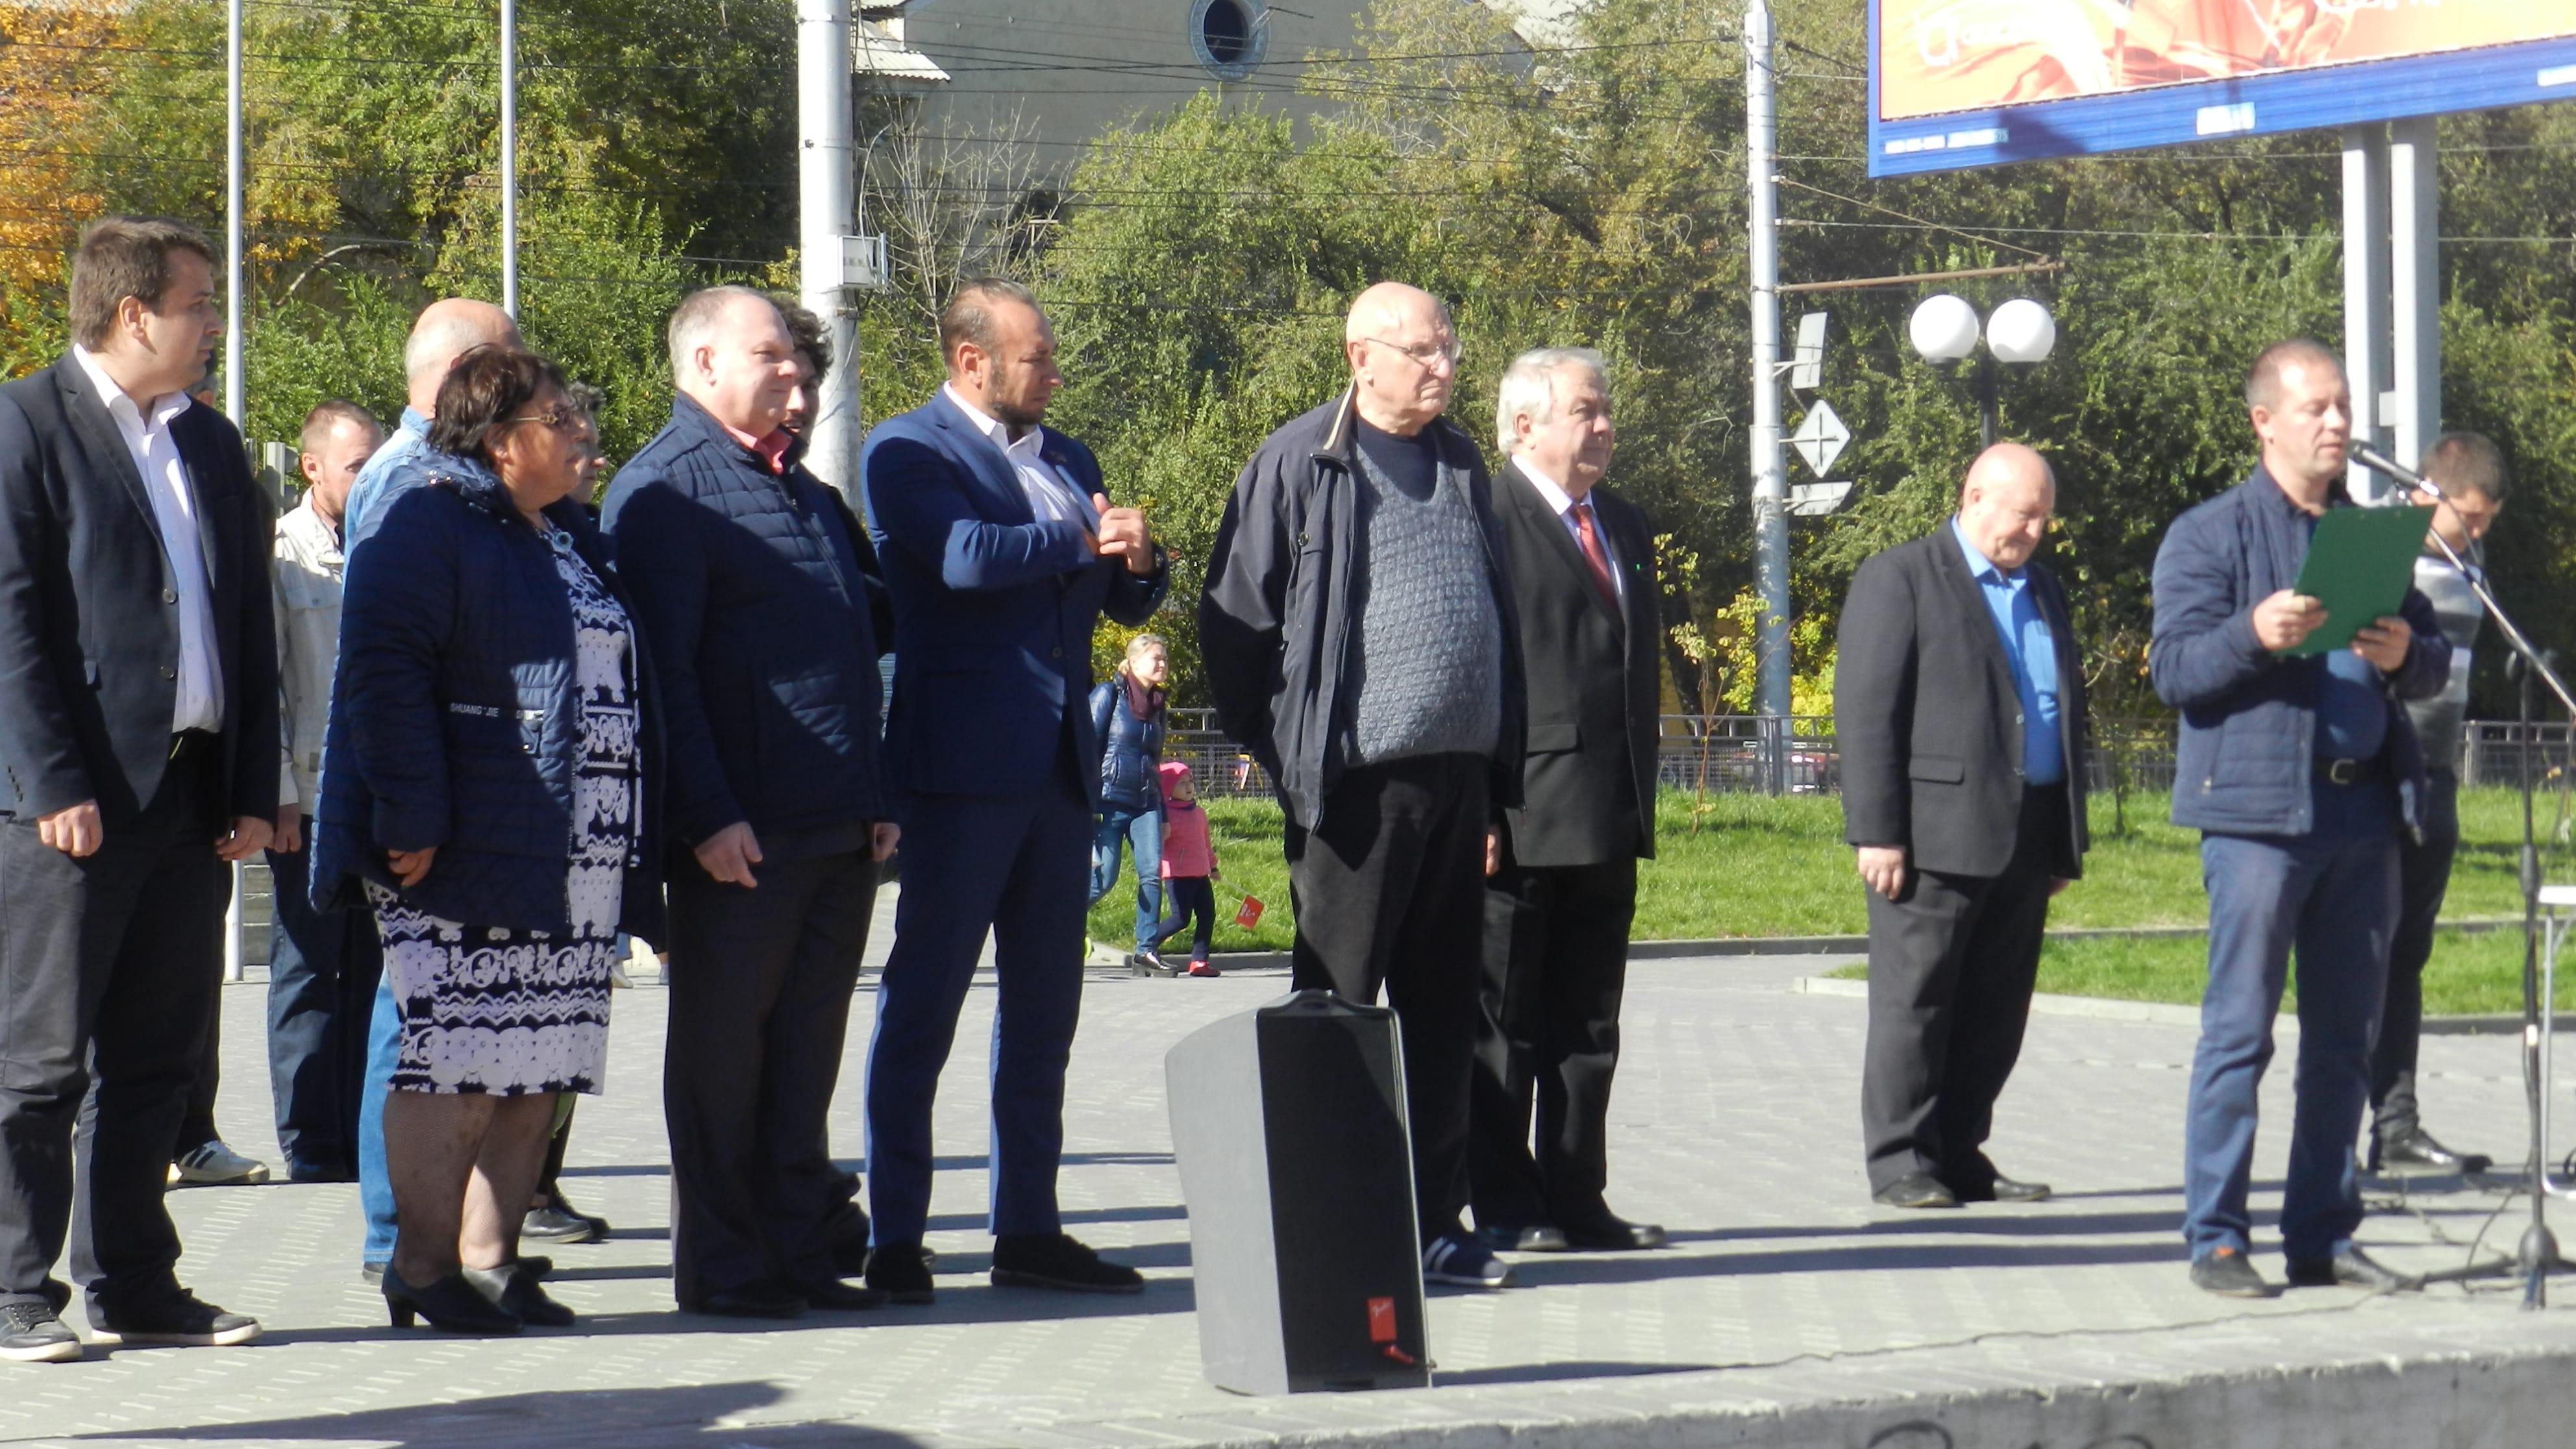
(2471, 971)
(1754, 865)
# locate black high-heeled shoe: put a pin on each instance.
(513, 1288)
(451, 1304)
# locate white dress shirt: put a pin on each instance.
(146, 430)
(1555, 496)
(1051, 495)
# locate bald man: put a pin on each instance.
(1359, 638)
(445, 330)
(1959, 705)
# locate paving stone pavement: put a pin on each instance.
(1736, 1123)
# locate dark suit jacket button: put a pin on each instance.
(169, 596)
(1056, 653)
(169, 673)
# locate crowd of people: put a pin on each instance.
(489, 732)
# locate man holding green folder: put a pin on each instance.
(2300, 770)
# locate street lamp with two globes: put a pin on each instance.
(1945, 328)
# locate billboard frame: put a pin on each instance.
(2321, 98)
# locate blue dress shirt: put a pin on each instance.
(2032, 650)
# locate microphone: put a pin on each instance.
(2379, 462)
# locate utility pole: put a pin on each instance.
(233, 351)
(1770, 467)
(826, 189)
(509, 156)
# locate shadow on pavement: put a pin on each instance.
(1538, 1270)
(676, 1415)
(1539, 1373)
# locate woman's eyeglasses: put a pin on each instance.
(563, 418)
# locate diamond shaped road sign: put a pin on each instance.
(1820, 438)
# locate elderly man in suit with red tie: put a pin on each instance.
(1564, 887)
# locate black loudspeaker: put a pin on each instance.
(1288, 1123)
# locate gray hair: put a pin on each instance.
(696, 318)
(1528, 388)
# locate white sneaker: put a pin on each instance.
(215, 1165)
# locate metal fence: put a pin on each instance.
(1796, 754)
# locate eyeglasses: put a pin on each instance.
(1426, 354)
(563, 418)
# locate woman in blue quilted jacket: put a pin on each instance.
(1128, 717)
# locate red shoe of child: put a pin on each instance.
(1201, 968)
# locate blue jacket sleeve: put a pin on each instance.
(2204, 646)
(35, 729)
(658, 532)
(917, 502)
(397, 618)
(1104, 698)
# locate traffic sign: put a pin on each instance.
(1820, 438)
(1809, 500)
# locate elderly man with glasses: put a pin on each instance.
(1359, 638)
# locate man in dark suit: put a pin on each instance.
(1559, 903)
(1001, 550)
(764, 606)
(1959, 705)
(138, 729)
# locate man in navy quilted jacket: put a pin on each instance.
(760, 597)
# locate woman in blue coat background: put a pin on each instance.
(1128, 718)
(486, 790)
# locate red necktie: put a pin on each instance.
(1594, 554)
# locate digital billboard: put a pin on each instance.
(1957, 83)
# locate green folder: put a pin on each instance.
(2360, 564)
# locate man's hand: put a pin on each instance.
(74, 831)
(883, 836)
(1882, 868)
(2384, 643)
(2057, 885)
(248, 838)
(1123, 535)
(2285, 620)
(411, 865)
(288, 838)
(1493, 849)
(730, 853)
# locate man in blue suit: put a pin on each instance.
(1001, 550)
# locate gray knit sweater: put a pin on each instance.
(1427, 671)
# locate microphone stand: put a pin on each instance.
(2536, 1256)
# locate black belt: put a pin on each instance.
(187, 744)
(2350, 772)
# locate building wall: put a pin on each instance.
(1071, 69)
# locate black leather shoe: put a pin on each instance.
(176, 1317)
(2000, 1189)
(514, 1287)
(834, 1296)
(2228, 1273)
(451, 1304)
(1061, 1262)
(1520, 1238)
(559, 1222)
(2351, 1268)
(1915, 1190)
(751, 1300)
(2416, 1147)
(1611, 1233)
(902, 1272)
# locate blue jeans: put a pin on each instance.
(1143, 829)
(323, 967)
(2332, 896)
(375, 1183)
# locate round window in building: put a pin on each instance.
(1229, 36)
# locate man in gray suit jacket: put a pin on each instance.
(1959, 707)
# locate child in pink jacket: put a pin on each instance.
(1189, 863)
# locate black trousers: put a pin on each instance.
(1951, 964)
(2423, 878)
(108, 964)
(1390, 892)
(1556, 962)
(1188, 898)
(760, 1003)
(323, 967)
